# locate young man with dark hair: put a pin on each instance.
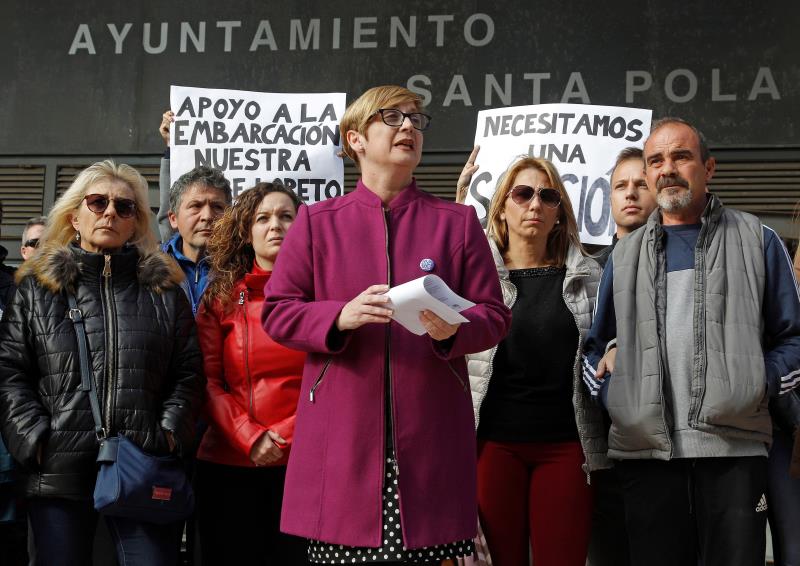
(631, 200)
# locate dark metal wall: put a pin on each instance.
(69, 87)
(85, 80)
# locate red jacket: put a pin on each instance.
(253, 383)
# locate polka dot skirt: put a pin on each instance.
(392, 549)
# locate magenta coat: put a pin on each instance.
(334, 251)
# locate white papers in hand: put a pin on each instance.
(426, 293)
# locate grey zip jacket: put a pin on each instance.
(579, 292)
(746, 332)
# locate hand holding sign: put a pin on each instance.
(166, 123)
(466, 174)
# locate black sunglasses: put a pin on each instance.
(32, 243)
(523, 194)
(395, 118)
(124, 207)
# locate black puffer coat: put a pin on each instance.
(144, 354)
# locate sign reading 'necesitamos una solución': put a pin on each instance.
(581, 140)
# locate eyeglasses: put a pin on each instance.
(32, 243)
(395, 118)
(124, 207)
(523, 194)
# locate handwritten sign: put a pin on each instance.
(581, 140)
(260, 136)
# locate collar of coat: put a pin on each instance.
(577, 264)
(60, 267)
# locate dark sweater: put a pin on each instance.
(530, 394)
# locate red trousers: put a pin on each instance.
(536, 492)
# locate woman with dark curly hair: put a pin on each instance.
(253, 387)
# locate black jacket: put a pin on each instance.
(144, 355)
(603, 255)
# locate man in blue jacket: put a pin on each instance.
(697, 326)
(196, 200)
(188, 210)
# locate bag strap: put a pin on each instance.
(87, 381)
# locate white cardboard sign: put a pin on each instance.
(581, 140)
(260, 136)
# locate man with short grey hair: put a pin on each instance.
(697, 326)
(187, 211)
(196, 200)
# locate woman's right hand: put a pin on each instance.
(368, 307)
(466, 175)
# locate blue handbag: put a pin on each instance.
(130, 482)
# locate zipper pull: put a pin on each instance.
(107, 266)
(241, 297)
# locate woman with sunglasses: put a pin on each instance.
(539, 434)
(144, 358)
(252, 389)
(383, 462)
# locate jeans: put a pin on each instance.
(64, 531)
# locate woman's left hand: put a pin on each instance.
(265, 451)
(436, 327)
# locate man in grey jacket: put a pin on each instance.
(697, 325)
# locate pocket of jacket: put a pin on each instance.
(319, 380)
(460, 379)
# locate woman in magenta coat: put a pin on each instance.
(383, 463)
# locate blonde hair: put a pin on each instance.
(358, 114)
(59, 231)
(562, 236)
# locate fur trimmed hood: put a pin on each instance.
(59, 267)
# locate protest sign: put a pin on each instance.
(581, 140)
(260, 136)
